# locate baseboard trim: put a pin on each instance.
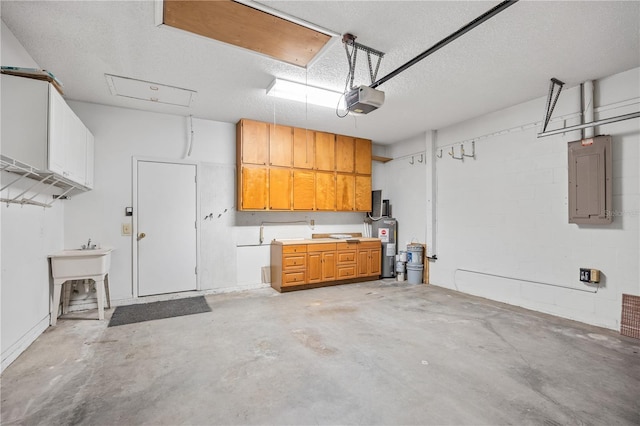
(14, 351)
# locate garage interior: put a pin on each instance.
(502, 138)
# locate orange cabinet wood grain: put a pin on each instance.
(325, 151)
(363, 156)
(345, 192)
(254, 188)
(345, 154)
(362, 193)
(253, 141)
(303, 148)
(280, 145)
(304, 189)
(325, 191)
(280, 189)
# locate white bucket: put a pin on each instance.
(414, 252)
(400, 276)
(400, 267)
(403, 256)
(414, 273)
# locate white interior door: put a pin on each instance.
(166, 227)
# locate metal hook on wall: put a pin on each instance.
(452, 154)
(473, 150)
(411, 161)
(439, 155)
(421, 158)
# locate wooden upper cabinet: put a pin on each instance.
(345, 192)
(363, 193)
(304, 195)
(287, 168)
(280, 145)
(279, 189)
(254, 188)
(345, 147)
(253, 138)
(363, 156)
(325, 191)
(325, 151)
(303, 151)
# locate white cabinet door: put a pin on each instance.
(59, 131)
(76, 163)
(88, 180)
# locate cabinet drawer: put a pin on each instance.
(348, 271)
(301, 248)
(347, 246)
(294, 261)
(322, 247)
(369, 244)
(347, 256)
(293, 278)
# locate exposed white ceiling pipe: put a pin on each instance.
(588, 108)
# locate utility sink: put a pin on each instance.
(91, 264)
(78, 264)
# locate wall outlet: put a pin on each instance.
(126, 229)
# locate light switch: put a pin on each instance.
(126, 229)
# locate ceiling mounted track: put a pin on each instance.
(442, 43)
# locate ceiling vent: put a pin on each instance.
(149, 91)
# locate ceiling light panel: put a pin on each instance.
(149, 91)
(291, 90)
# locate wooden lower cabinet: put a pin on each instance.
(322, 263)
(312, 264)
(369, 259)
(347, 261)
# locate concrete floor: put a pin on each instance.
(371, 353)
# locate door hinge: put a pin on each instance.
(196, 270)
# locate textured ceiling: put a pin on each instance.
(506, 60)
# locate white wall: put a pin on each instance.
(505, 212)
(231, 255)
(28, 234)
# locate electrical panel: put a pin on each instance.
(590, 183)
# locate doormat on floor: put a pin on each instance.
(158, 310)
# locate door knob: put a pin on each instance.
(141, 236)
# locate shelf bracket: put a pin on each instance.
(551, 101)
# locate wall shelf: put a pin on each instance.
(43, 180)
(380, 159)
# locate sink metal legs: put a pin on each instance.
(102, 290)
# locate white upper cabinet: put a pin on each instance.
(41, 130)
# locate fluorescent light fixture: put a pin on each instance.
(302, 93)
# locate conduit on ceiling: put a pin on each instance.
(442, 43)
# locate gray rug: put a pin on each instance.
(158, 310)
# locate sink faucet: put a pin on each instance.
(88, 245)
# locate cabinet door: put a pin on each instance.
(280, 189)
(314, 267)
(363, 156)
(375, 256)
(88, 180)
(325, 151)
(254, 188)
(363, 263)
(59, 133)
(328, 266)
(345, 190)
(254, 141)
(363, 193)
(304, 190)
(303, 148)
(325, 191)
(280, 145)
(345, 154)
(76, 149)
